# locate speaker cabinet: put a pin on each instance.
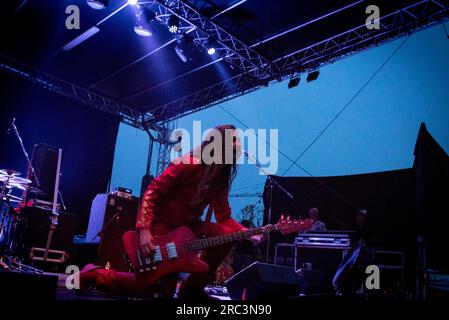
(22, 287)
(117, 215)
(263, 281)
(45, 161)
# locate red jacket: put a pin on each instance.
(167, 199)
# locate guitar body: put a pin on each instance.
(174, 256)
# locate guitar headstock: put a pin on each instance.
(287, 225)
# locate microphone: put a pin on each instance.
(250, 157)
(13, 124)
(246, 153)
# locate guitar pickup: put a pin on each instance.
(141, 257)
(171, 250)
(157, 257)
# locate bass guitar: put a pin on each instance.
(178, 250)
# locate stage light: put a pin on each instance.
(81, 38)
(173, 24)
(143, 25)
(211, 51)
(211, 45)
(97, 4)
(313, 75)
(184, 48)
(294, 82)
(142, 30)
(133, 2)
(182, 54)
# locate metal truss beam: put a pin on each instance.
(128, 115)
(410, 19)
(413, 18)
(283, 33)
(164, 149)
(234, 51)
(207, 97)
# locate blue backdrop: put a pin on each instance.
(375, 133)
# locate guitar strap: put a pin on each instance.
(210, 209)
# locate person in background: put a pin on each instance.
(350, 272)
(317, 225)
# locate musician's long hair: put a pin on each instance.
(217, 177)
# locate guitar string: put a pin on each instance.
(164, 250)
(210, 241)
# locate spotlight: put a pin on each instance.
(182, 54)
(293, 82)
(211, 44)
(97, 4)
(143, 30)
(173, 24)
(184, 48)
(133, 2)
(143, 24)
(211, 51)
(313, 75)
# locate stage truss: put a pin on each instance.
(256, 70)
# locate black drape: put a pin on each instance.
(388, 196)
(86, 135)
(401, 204)
(432, 196)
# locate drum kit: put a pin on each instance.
(10, 217)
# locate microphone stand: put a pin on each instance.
(14, 128)
(271, 182)
(31, 168)
(30, 165)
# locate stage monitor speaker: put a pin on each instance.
(118, 215)
(263, 281)
(22, 287)
(45, 161)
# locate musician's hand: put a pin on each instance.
(146, 242)
(257, 239)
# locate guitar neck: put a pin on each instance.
(201, 244)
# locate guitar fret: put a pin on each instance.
(200, 244)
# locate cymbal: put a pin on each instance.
(18, 180)
(15, 200)
(31, 190)
(9, 172)
(11, 197)
(36, 190)
(18, 186)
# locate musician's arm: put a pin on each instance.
(162, 185)
(222, 212)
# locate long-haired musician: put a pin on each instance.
(178, 197)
